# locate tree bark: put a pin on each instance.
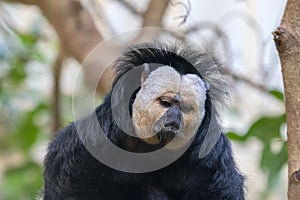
(287, 40)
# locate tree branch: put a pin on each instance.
(152, 17)
(74, 25)
(245, 80)
(56, 92)
(29, 2)
(287, 40)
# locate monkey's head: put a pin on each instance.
(169, 106)
(173, 103)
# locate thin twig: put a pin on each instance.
(56, 91)
(244, 79)
(130, 7)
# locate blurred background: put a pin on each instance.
(44, 42)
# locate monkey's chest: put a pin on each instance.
(122, 186)
(132, 192)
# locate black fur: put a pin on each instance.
(72, 173)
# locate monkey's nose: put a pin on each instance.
(173, 118)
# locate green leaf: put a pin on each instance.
(266, 128)
(235, 136)
(27, 39)
(38, 56)
(277, 94)
(272, 163)
(17, 72)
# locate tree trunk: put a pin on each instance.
(287, 39)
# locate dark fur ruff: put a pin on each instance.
(72, 173)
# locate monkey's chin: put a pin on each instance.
(177, 142)
(166, 136)
(172, 139)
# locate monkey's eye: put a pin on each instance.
(186, 108)
(165, 103)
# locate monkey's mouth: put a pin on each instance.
(166, 134)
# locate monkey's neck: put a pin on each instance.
(139, 146)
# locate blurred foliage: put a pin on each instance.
(24, 114)
(268, 130)
(23, 182)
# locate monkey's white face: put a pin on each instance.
(169, 108)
